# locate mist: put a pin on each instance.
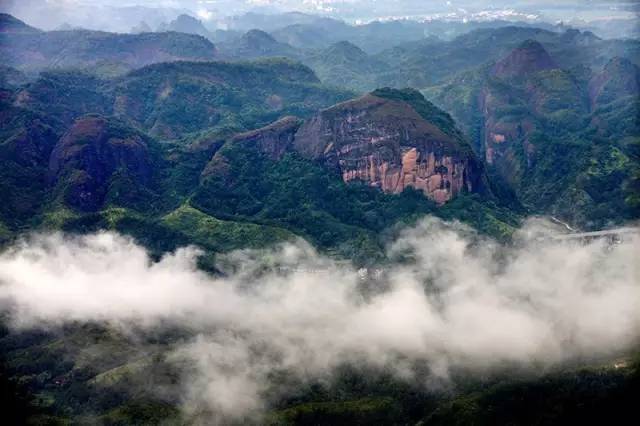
(121, 16)
(449, 301)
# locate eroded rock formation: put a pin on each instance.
(387, 144)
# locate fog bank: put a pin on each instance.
(452, 301)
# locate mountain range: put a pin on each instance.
(276, 129)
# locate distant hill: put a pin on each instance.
(345, 64)
(430, 61)
(36, 50)
(12, 25)
(186, 24)
(256, 44)
(529, 57)
(170, 100)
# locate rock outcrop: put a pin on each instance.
(385, 143)
(378, 139)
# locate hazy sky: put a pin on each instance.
(121, 15)
(365, 8)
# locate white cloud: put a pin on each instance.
(455, 302)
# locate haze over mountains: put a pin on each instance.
(284, 218)
(613, 18)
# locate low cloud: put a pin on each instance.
(450, 301)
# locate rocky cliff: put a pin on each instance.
(387, 144)
(379, 139)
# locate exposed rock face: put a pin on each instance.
(379, 139)
(529, 57)
(88, 156)
(387, 144)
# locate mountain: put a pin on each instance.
(81, 154)
(142, 27)
(618, 79)
(35, 51)
(304, 36)
(170, 100)
(195, 104)
(168, 138)
(373, 37)
(187, 24)
(345, 64)
(529, 57)
(256, 44)
(430, 62)
(98, 161)
(12, 25)
(545, 132)
(228, 157)
(382, 140)
(275, 21)
(350, 171)
(377, 36)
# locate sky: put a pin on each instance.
(92, 13)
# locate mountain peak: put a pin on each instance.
(347, 50)
(579, 37)
(184, 18)
(187, 24)
(258, 44)
(529, 57)
(258, 37)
